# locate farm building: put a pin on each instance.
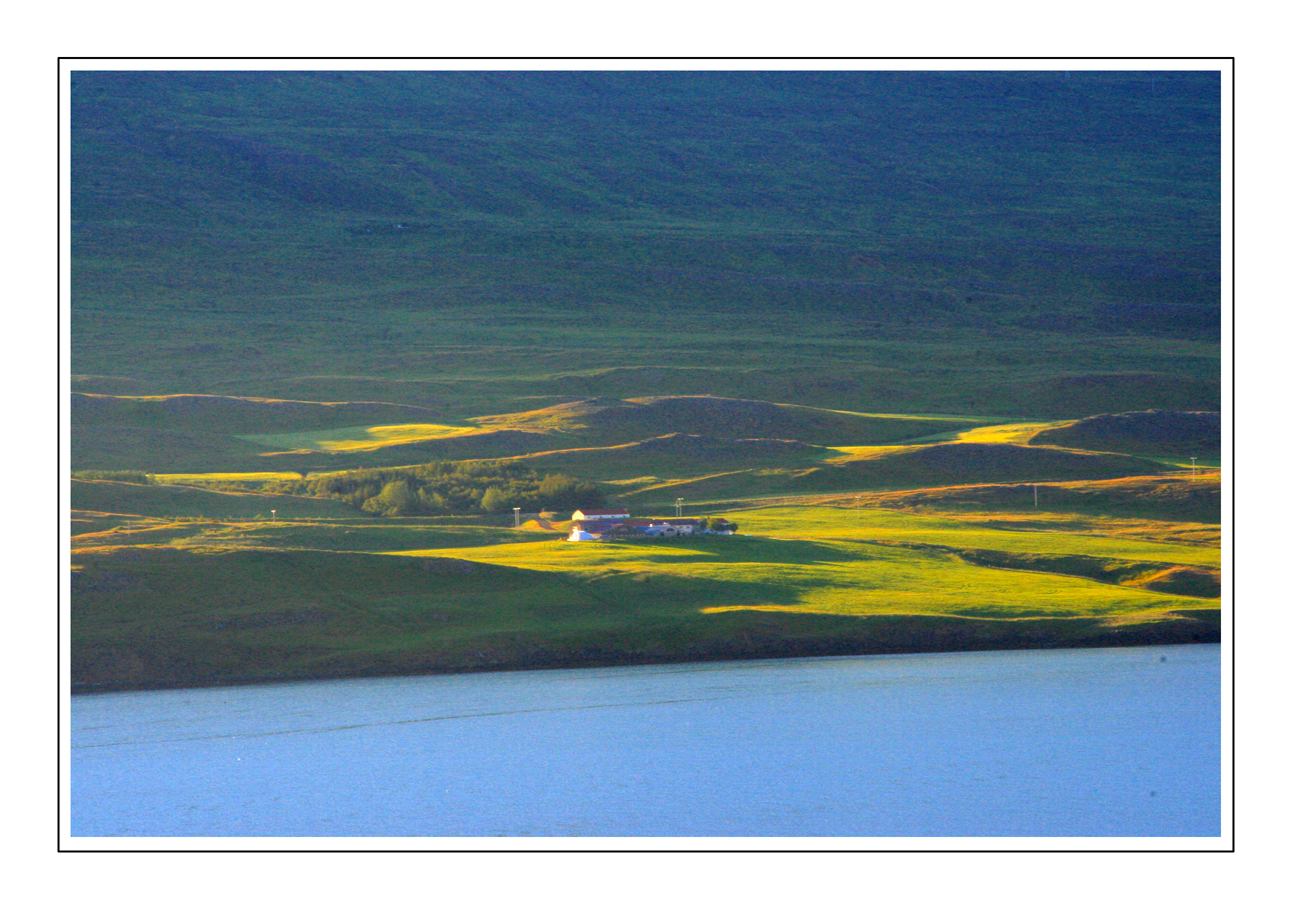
(589, 530)
(599, 515)
(678, 527)
(595, 529)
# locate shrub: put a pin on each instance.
(494, 500)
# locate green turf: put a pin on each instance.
(1003, 244)
(220, 601)
(938, 341)
(182, 501)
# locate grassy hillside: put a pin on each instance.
(902, 467)
(1156, 433)
(943, 339)
(678, 455)
(1003, 244)
(192, 432)
(1169, 498)
(180, 501)
(953, 464)
(237, 601)
(644, 147)
(340, 615)
(606, 421)
(109, 446)
(234, 415)
(178, 433)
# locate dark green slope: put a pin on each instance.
(785, 151)
(142, 500)
(866, 241)
(1155, 433)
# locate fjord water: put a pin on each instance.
(1111, 742)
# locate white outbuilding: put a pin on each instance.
(599, 515)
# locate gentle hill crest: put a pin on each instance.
(678, 455)
(609, 421)
(1171, 434)
(907, 467)
(124, 498)
(238, 415)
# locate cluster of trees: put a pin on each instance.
(449, 488)
(717, 525)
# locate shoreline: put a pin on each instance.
(876, 637)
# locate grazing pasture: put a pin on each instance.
(348, 347)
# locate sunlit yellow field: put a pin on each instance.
(1008, 434)
(830, 561)
(358, 438)
(867, 452)
(874, 525)
(200, 478)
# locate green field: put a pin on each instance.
(175, 601)
(946, 346)
(357, 438)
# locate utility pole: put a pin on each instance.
(1035, 499)
(273, 515)
(679, 508)
(1193, 468)
(517, 512)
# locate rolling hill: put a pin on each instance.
(996, 244)
(126, 498)
(1155, 433)
(606, 421)
(942, 338)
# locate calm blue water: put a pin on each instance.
(1114, 742)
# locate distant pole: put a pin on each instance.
(1193, 468)
(679, 508)
(1035, 498)
(273, 515)
(857, 504)
(517, 510)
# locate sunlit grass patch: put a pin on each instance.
(546, 419)
(867, 452)
(358, 438)
(201, 478)
(1005, 433)
(899, 527)
(890, 564)
(1010, 433)
(330, 596)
